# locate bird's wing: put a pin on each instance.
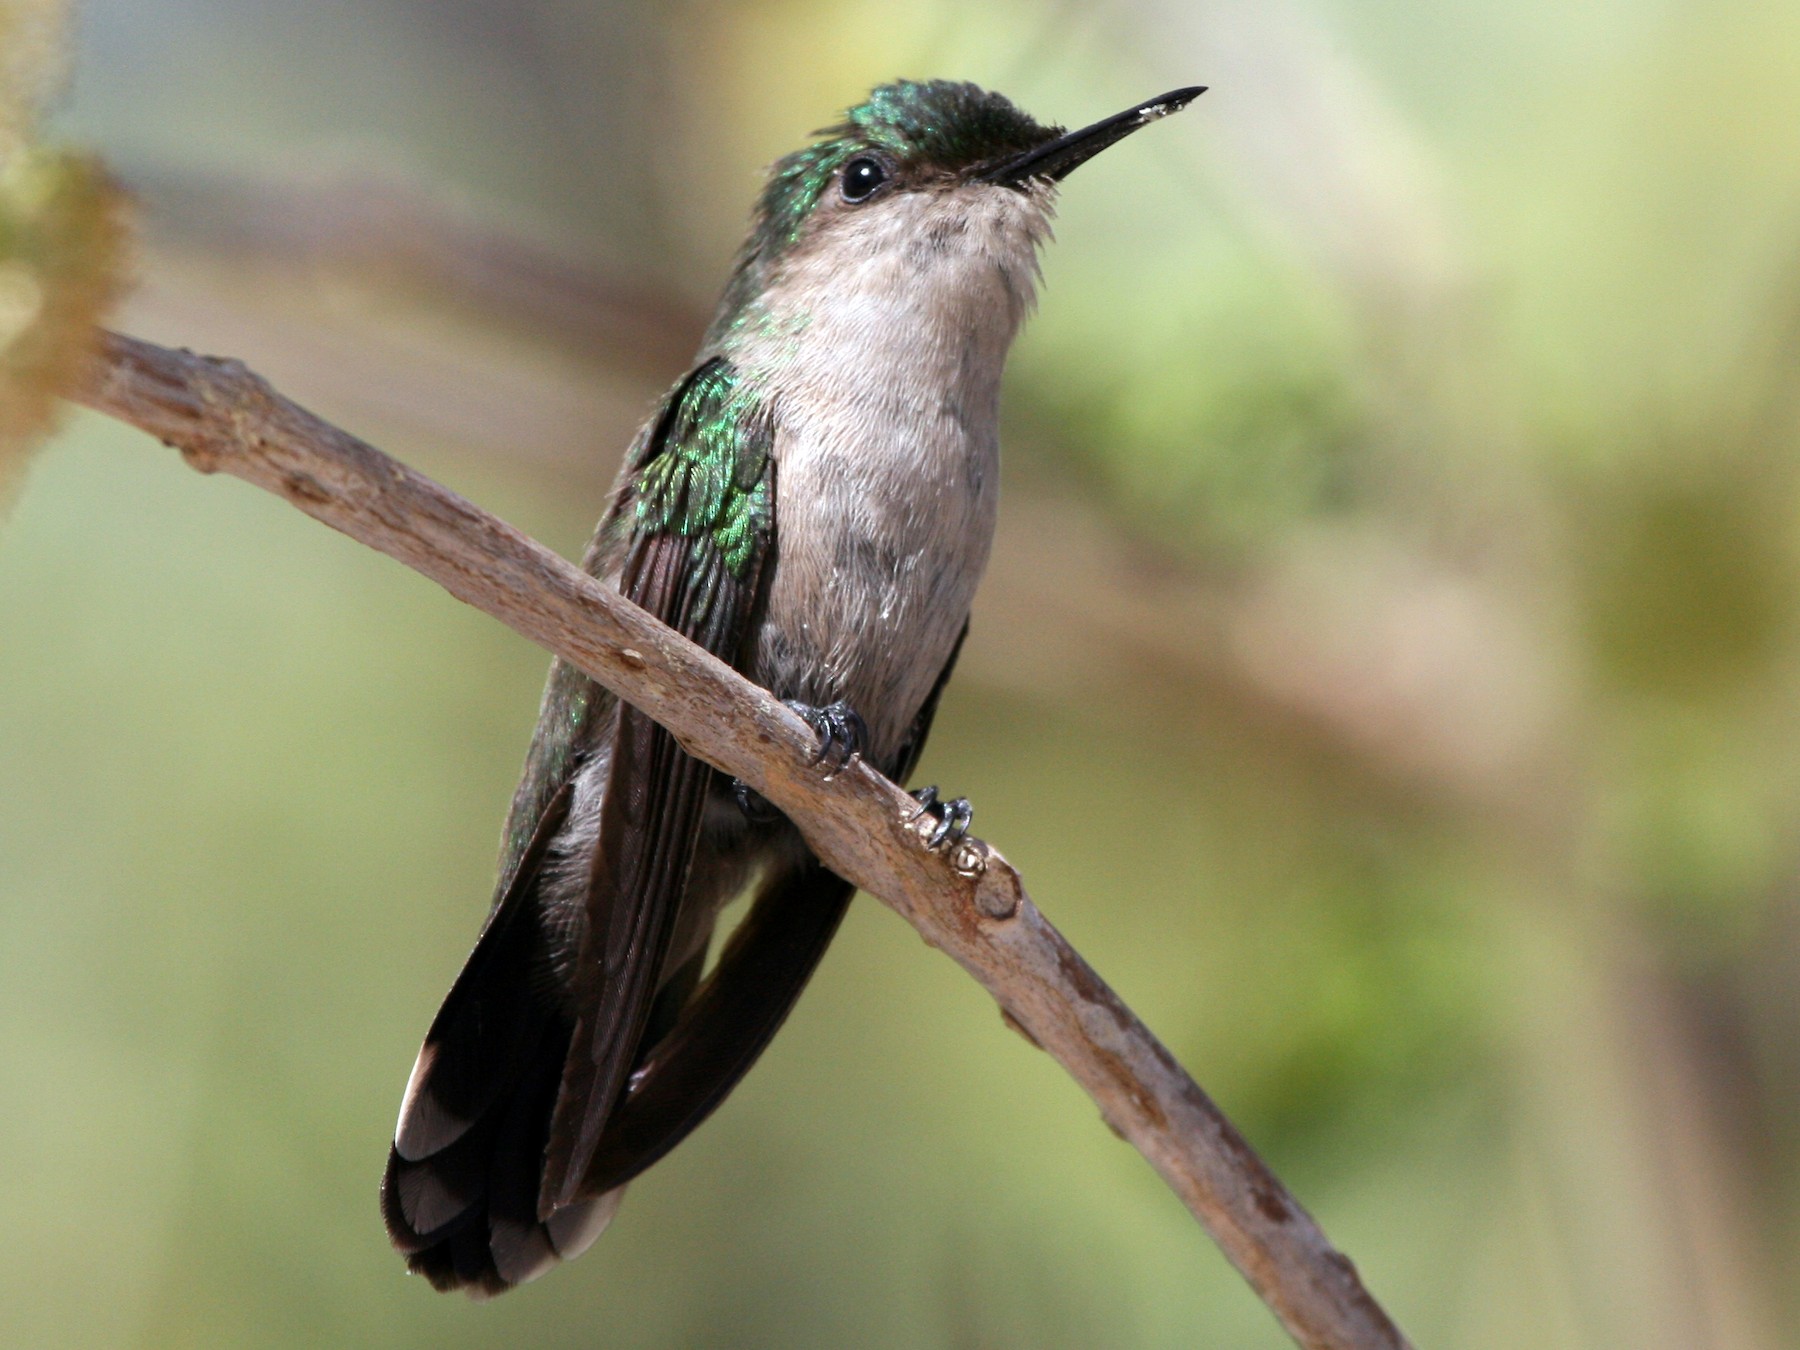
(465, 1174)
(699, 516)
(736, 1013)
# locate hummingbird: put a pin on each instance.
(813, 503)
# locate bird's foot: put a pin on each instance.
(756, 807)
(841, 733)
(952, 817)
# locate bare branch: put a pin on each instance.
(971, 904)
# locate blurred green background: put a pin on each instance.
(1388, 675)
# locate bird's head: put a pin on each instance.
(917, 163)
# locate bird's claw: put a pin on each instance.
(953, 817)
(841, 733)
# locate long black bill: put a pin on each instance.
(1059, 158)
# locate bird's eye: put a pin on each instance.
(861, 177)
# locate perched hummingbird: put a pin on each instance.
(813, 503)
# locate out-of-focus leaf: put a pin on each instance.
(62, 246)
(62, 241)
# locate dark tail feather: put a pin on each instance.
(466, 1216)
(460, 1192)
(729, 1022)
(489, 1020)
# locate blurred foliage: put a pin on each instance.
(62, 240)
(1413, 736)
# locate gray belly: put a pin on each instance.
(881, 539)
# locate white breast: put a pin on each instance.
(883, 350)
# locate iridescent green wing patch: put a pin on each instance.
(706, 474)
(693, 524)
